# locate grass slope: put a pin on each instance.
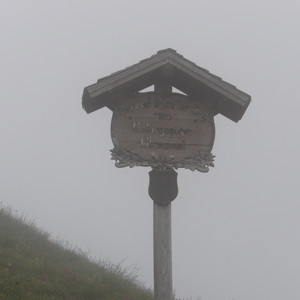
(32, 267)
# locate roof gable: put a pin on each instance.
(186, 76)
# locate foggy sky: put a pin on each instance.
(236, 228)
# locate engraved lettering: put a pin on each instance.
(150, 130)
(163, 116)
(137, 127)
(161, 104)
(147, 142)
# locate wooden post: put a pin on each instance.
(162, 189)
(162, 251)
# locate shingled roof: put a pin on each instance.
(186, 77)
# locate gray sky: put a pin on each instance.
(235, 229)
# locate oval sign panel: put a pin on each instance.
(172, 132)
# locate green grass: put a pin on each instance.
(32, 267)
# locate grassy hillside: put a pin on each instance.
(33, 267)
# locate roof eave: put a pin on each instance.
(233, 101)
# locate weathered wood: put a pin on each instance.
(162, 250)
(162, 195)
(174, 131)
(164, 131)
(163, 188)
(186, 76)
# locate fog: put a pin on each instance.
(236, 228)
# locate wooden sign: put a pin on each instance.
(171, 132)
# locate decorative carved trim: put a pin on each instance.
(124, 158)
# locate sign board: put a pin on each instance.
(176, 131)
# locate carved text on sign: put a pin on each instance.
(174, 132)
(145, 127)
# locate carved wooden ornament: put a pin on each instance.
(175, 131)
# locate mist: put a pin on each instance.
(235, 230)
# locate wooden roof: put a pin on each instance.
(186, 77)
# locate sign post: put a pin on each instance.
(165, 131)
(162, 190)
(162, 251)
